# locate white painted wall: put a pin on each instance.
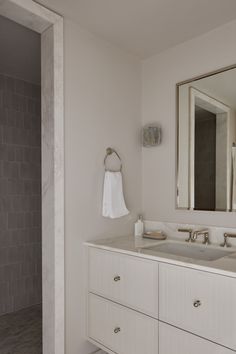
(102, 108)
(203, 54)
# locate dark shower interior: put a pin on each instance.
(205, 160)
(20, 191)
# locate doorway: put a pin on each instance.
(210, 150)
(20, 190)
(50, 28)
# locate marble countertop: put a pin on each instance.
(139, 247)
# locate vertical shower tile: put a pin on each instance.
(20, 194)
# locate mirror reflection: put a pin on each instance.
(206, 178)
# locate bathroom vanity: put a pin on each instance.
(144, 300)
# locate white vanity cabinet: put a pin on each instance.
(199, 302)
(123, 302)
(128, 280)
(121, 329)
(175, 341)
(138, 305)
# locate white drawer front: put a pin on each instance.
(175, 341)
(214, 316)
(128, 280)
(135, 332)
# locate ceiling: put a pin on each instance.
(20, 51)
(146, 27)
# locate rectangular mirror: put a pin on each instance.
(206, 138)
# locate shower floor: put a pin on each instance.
(21, 331)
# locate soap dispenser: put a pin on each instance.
(139, 226)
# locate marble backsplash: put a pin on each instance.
(216, 234)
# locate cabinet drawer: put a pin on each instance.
(128, 280)
(120, 329)
(199, 302)
(185, 343)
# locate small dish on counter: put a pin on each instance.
(156, 235)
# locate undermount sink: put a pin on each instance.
(200, 252)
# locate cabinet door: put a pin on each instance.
(129, 280)
(199, 302)
(120, 329)
(176, 341)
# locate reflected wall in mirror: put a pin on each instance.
(206, 135)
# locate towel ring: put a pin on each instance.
(110, 151)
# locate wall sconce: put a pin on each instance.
(151, 135)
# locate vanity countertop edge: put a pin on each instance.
(134, 246)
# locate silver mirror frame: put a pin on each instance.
(211, 73)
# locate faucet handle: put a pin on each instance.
(189, 231)
(226, 243)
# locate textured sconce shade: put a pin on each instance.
(151, 135)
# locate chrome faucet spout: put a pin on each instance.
(204, 233)
(193, 235)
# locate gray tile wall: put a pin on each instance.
(20, 194)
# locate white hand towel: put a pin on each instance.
(113, 197)
(234, 178)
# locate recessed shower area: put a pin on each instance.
(205, 159)
(20, 190)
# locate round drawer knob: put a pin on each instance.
(117, 330)
(197, 303)
(117, 278)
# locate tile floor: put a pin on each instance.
(21, 331)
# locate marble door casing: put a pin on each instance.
(50, 26)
